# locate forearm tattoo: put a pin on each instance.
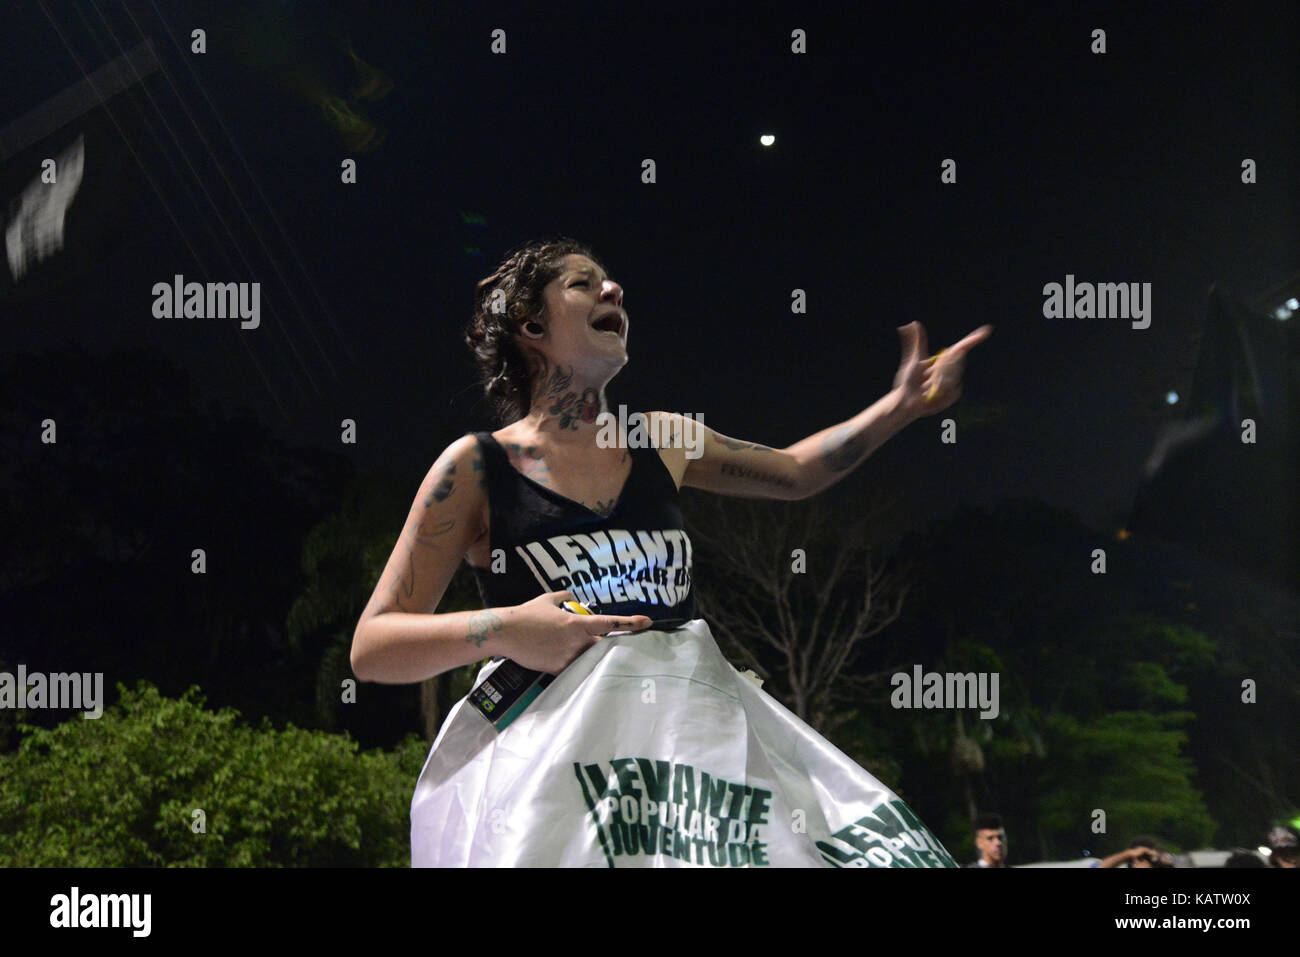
(770, 478)
(737, 446)
(841, 450)
(480, 623)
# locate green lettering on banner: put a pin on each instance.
(632, 835)
(912, 822)
(595, 817)
(838, 856)
(911, 830)
(625, 768)
(701, 850)
(714, 793)
(668, 815)
(890, 836)
(681, 846)
(655, 778)
(861, 836)
(694, 827)
(737, 799)
(758, 806)
(711, 827)
(599, 781)
(649, 839)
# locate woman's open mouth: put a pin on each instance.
(611, 323)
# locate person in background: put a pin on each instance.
(1283, 847)
(990, 841)
(1242, 858)
(1143, 852)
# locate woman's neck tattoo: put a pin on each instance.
(556, 394)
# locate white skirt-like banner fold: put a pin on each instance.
(652, 750)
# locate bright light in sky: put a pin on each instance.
(767, 139)
(1171, 397)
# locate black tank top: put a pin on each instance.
(635, 561)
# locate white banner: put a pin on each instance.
(651, 750)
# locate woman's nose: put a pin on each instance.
(612, 290)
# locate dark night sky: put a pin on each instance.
(1116, 168)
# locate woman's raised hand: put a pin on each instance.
(929, 384)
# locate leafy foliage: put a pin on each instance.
(1131, 765)
(123, 791)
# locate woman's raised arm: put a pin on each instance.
(923, 386)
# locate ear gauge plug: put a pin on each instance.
(534, 329)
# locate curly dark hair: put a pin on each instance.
(493, 335)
